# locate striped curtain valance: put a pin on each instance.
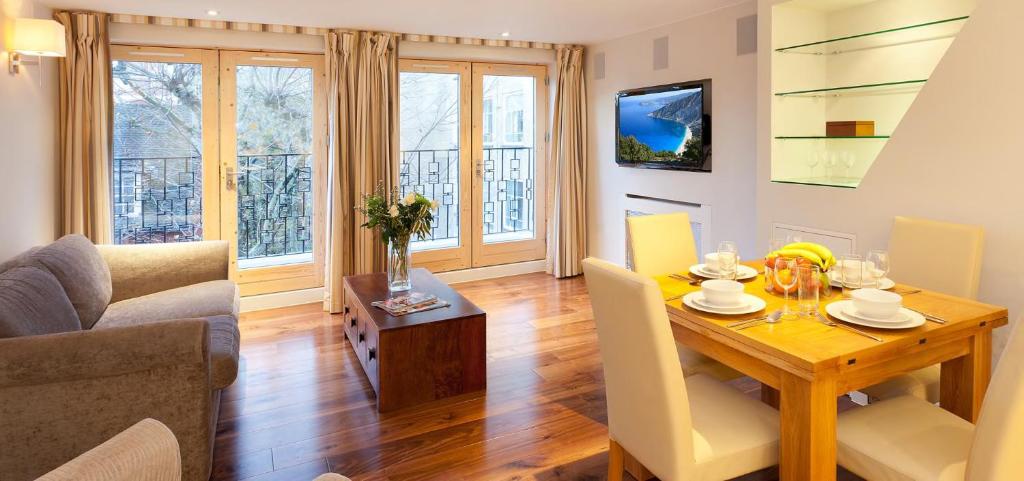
(319, 31)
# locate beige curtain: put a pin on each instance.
(567, 236)
(362, 79)
(86, 119)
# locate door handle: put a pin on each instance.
(229, 178)
(478, 165)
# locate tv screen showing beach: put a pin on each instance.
(662, 127)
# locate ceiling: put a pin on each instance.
(557, 21)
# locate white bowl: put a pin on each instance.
(876, 303)
(720, 292)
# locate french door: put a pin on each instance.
(218, 144)
(473, 138)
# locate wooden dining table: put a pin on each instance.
(804, 365)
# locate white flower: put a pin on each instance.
(433, 205)
(393, 211)
(409, 199)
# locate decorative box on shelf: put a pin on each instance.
(850, 128)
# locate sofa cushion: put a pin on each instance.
(19, 260)
(217, 301)
(77, 264)
(33, 302)
(206, 299)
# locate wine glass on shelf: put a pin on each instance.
(877, 266)
(848, 160)
(830, 165)
(728, 260)
(813, 159)
(785, 278)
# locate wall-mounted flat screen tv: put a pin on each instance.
(665, 127)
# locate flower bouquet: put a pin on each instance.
(398, 219)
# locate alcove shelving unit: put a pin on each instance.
(849, 60)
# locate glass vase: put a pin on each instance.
(399, 260)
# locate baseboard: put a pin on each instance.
(281, 299)
(491, 272)
(308, 296)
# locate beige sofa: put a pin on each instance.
(94, 339)
(146, 451)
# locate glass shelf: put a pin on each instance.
(843, 182)
(836, 91)
(829, 137)
(944, 28)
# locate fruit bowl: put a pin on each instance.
(805, 254)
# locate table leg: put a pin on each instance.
(807, 448)
(769, 395)
(964, 379)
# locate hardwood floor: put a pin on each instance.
(301, 405)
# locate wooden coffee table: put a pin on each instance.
(418, 357)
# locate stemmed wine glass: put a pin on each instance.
(813, 159)
(830, 165)
(877, 266)
(786, 278)
(848, 160)
(728, 260)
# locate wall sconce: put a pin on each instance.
(38, 37)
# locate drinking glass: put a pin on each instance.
(773, 245)
(728, 260)
(807, 289)
(851, 268)
(813, 159)
(877, 266)
(785, 278)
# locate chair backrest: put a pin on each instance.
(661, 244)
(999, 435)
(148, 450)
(940, 256)
(648, 410)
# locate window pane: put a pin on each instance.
(430, 150)
(509, 209)
(275, 165)
(157, 179)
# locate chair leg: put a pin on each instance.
(615, 461)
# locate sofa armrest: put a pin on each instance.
(63, 394)
(147, 450)
(140, 269)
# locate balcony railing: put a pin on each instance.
(159, 199)
(508, 190)
(435, 175)
(508, 193)
(275, 205)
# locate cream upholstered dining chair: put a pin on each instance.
(679, 429)
(663, 244)
(938, 256)
(907, 438)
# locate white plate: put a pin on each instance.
(837, 281)
(742, 272)
(753, 304)
(702, 301)
(851, 311)
(838, 310)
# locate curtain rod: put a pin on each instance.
(319, 31)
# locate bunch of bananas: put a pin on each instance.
(817, 254)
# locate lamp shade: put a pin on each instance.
(35, 36)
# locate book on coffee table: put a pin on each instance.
(410, 303)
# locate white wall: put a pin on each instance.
(701, 47)
(28, 120)
(956, 156)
